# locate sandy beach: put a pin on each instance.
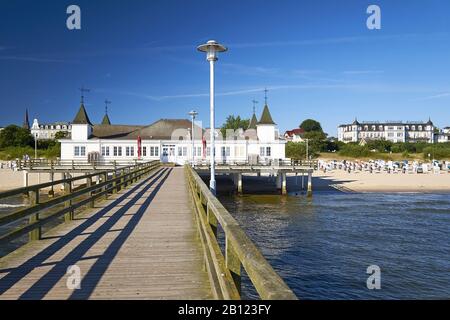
(381, 182)
(14, 179)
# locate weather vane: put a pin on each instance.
(106, 105)
(254, 105)
(83, 90)
(265, 95)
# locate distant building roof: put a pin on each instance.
(266, 117)
(81, 117)
(106, 131)
(159, 130)
(297, 132)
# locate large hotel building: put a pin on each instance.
(392, 131)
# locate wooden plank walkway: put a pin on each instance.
(141, 243)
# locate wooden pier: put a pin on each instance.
(140, 232)
(278, 169)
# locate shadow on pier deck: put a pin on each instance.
(140, 232)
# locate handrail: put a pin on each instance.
(120, 179)
(22, 190)
(225, 271)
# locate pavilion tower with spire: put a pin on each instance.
(81, 125)
(266, 126)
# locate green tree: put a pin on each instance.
(310, 125)
(14, 136)
(61, 135)
(296, 150)
(234, 123)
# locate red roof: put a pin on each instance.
(297, 132)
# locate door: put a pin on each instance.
(168, 153)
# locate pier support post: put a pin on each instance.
(25, 179)
(309, 192)
(278, 181)
(34, 200)
(239, 182)
(283, 184)
(67, 204)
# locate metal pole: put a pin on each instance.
(35, 146)
(192, 137)
(212, 182)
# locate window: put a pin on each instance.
(132, 151)
(127, 151)
(225, 152)
(268, 151)
(182, 151)
(208, 151)
(197, 151)
(261, 151)
(399, 134)
(79, 151)
(119, 151)
(144, 151)
(105, 151)
(154, 151)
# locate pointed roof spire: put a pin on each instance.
(26, 121)
(253, 120)
(266, 117)
(106, 120)
(106, 117)
(81, 117)
(355, 122)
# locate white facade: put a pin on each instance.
(390, 131)
(104, 143)
(48, 131)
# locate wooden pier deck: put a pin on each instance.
(140, 243)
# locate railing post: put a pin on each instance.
(114, 176)
(212, 220)
(89, 184)
(34, 200)
(105, 188)
(233, 264)
(67, 204)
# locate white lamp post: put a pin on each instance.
(35, 146)
(212, 48)
(193, 114)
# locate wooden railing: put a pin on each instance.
(73, 164)
(310, 164)
(224, 270)
(108, 181)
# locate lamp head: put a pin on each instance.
(193, 113)
(212, 48)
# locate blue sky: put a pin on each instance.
(317, 59)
